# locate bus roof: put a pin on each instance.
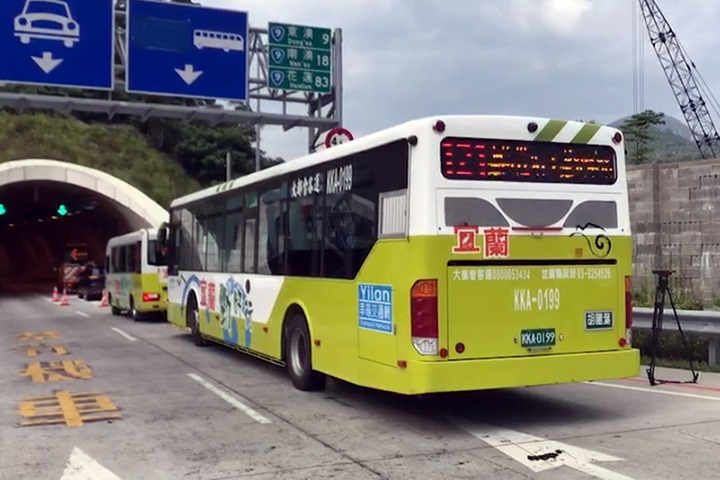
(132, 237)
(404, 130)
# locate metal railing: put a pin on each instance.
(697, 323)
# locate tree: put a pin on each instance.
(201, 152)
(638, 130)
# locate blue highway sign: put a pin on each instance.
(63, 43)
(187, 51)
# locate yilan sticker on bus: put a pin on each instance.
(466, 238)
(496, 243)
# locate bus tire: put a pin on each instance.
(192, 319)
(134, 313)
(298, 355)
(113, 309)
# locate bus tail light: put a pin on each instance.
(628, 310)
(151, 297)
(424, 317)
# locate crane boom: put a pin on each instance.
(679, 74)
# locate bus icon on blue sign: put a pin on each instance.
(219, 40)
(375, 307)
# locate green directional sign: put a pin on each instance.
(300, 58)
(62, 210)
(3, 210)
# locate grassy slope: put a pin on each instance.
(118, 150)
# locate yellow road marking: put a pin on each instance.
(72, 409)
(35, 350)
(38, 336)
(57, 371)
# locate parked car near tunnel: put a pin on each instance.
(91, 282)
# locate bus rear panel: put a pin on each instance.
(527, 280)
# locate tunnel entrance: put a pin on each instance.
(47, 205)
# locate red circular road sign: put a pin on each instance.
(336, 136)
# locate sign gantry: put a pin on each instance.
(165, 49)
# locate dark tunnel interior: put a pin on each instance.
(39, 218)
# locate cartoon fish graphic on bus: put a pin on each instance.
(235, 304)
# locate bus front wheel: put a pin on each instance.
(192, 318)
(298, 355)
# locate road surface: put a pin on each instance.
(106, 398)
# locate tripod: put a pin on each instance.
(662, 289)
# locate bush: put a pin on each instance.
(670, 346)
(644, 296)
(118, 150)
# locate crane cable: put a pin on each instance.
(638, 46)
(638, 26)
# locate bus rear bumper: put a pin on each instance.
(485, 374)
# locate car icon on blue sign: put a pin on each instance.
(47, 20)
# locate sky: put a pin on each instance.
(406, 59)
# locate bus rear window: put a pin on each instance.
(523, 161)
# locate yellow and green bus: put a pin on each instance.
(444, 254)
(136, 274)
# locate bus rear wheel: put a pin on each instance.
(298, 355)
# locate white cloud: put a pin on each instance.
(564, 58)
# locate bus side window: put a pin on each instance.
(304, 236)
(213, 227)
(271, 243)
(232, 244)
(351, 227)
(250, 242)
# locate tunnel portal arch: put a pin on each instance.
(130, 209)
(119, 191)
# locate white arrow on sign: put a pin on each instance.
(80, 466)
(47, 63)
(539, 454)
(189, 74)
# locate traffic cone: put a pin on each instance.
(64, 300)
(104, 300)
(55, 296)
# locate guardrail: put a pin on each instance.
(698, 323)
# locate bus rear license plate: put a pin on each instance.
(541, 337)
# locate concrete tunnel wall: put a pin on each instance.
(26, 251)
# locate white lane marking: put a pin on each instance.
(647, 390)
(82, 314)
(526, 449)
(123, 333)
(80, 466)
(229, 398)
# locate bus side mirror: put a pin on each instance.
(162, 235)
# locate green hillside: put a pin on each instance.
(118, 150)
(672, 141)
